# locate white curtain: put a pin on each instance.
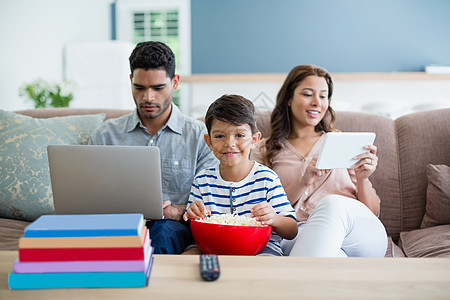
(101, 72)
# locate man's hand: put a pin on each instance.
(174, 212)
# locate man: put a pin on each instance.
(157, 122)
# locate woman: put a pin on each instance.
(337, 209)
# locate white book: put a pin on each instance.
(437, 69)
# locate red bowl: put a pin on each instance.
(230, 239)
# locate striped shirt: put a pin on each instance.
(221, 197)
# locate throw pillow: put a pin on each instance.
(427, 242)
(437, 210)
(393, 250)
(25, 188)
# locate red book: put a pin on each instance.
(82, 254)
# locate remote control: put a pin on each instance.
(209, 267)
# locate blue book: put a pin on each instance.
(86, 225)
(79, 280)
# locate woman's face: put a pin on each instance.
(309, 102)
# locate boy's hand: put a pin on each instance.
(264, 213)
(284, 226)
(196, 210)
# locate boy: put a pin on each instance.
(238, 185)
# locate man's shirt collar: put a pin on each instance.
(175, 122)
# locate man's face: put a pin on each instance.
(152, 92)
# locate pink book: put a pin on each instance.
(86, 266)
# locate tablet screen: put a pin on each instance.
(339, 148)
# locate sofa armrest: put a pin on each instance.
(45, 113)
(10, 232)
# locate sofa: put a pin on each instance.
(412, 177)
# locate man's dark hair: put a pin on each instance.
(233, 109)
(153, 55)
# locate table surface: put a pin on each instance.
(177, 277)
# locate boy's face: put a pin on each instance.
(231, 144)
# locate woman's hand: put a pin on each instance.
(196, 210)
(360, 172)
(311, 172)
(367, 163)
(296, 189)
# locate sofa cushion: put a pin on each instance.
(437, 210)
(427, 242)
(393, 250)
(423, 138)
(25, 190)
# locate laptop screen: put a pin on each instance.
(95, 179)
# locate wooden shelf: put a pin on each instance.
(278, 77)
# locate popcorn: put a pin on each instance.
(229, 219)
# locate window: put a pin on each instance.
(161, 25)
(166, 21)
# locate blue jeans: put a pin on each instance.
(169, 236)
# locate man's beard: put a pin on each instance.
(159, 108)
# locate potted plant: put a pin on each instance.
(48, 94)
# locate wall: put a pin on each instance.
(237, 36)
(33, 37)
(266, 36)
(257, 36)
(394, 96)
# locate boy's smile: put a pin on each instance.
(231, 144)
(230, 153)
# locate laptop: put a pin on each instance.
(106, 179)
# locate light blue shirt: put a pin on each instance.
(183, 149)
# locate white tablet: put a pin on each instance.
(339, 148)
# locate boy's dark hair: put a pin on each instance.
(233, 109)
(153, 55)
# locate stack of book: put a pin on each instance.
(83, 251)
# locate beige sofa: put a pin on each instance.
(412, 178)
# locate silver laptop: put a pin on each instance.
(106, 179)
